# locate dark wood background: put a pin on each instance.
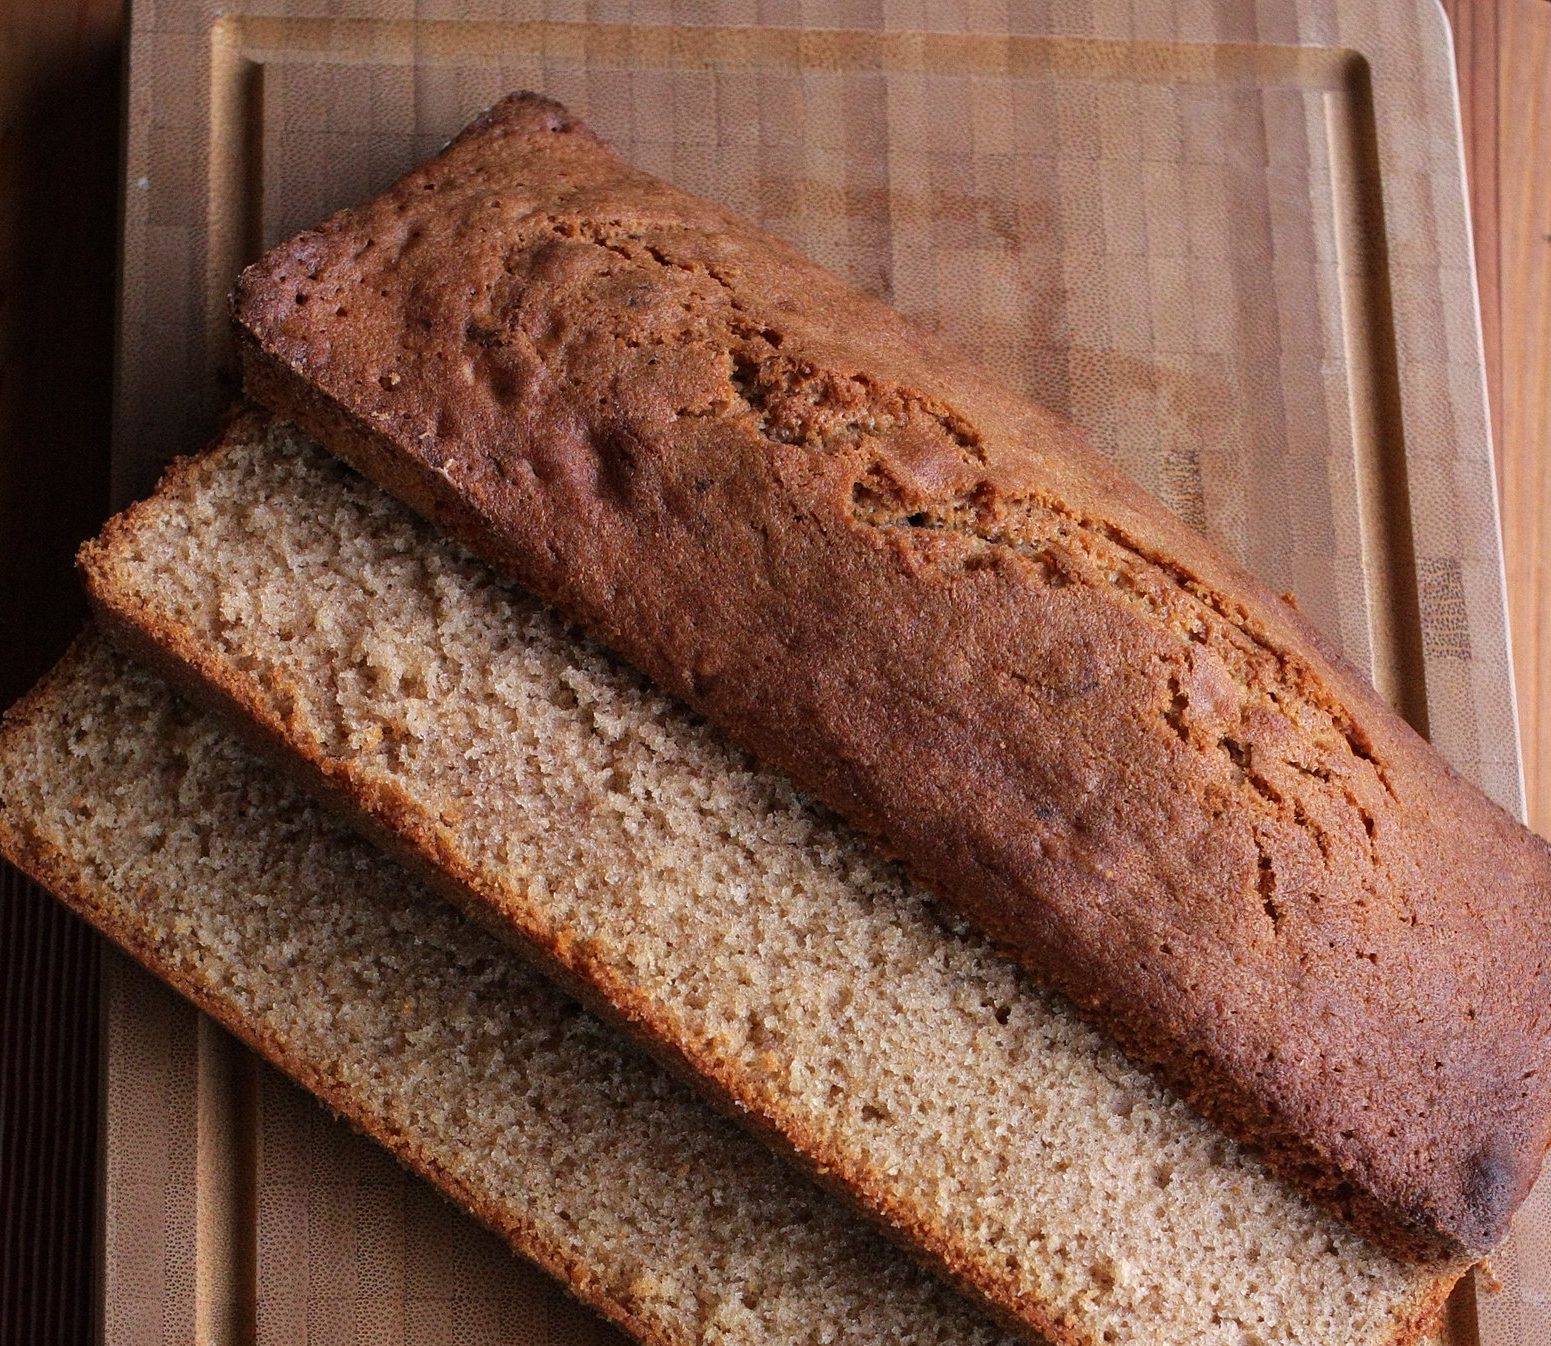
(61, 95)
(60, 98)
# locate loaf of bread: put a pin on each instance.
(428, 1035)
(1138, 771)
(731, 924)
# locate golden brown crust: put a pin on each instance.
(1143, 774)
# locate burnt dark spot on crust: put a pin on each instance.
(1492, 1189)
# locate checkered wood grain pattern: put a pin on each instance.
(1227, 238)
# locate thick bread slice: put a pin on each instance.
(1141, 772)
(427, 1034)
(728, 922)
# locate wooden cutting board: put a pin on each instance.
(1228, 238)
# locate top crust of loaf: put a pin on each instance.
(1139, 771)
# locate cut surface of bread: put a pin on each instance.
(1142, 773)
(146, 817)
(726, 920)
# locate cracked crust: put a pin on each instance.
(1140, 772)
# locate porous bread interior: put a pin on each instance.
(313, 940)
(763, 935)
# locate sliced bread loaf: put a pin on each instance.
(1136, 768)
(145, 817)
(726, 920)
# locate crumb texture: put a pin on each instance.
(760, 935)
(927, 601)
(428, 1028)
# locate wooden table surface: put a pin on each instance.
(1503, 53)
(60, 105)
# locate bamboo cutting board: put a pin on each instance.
(1227, 238)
